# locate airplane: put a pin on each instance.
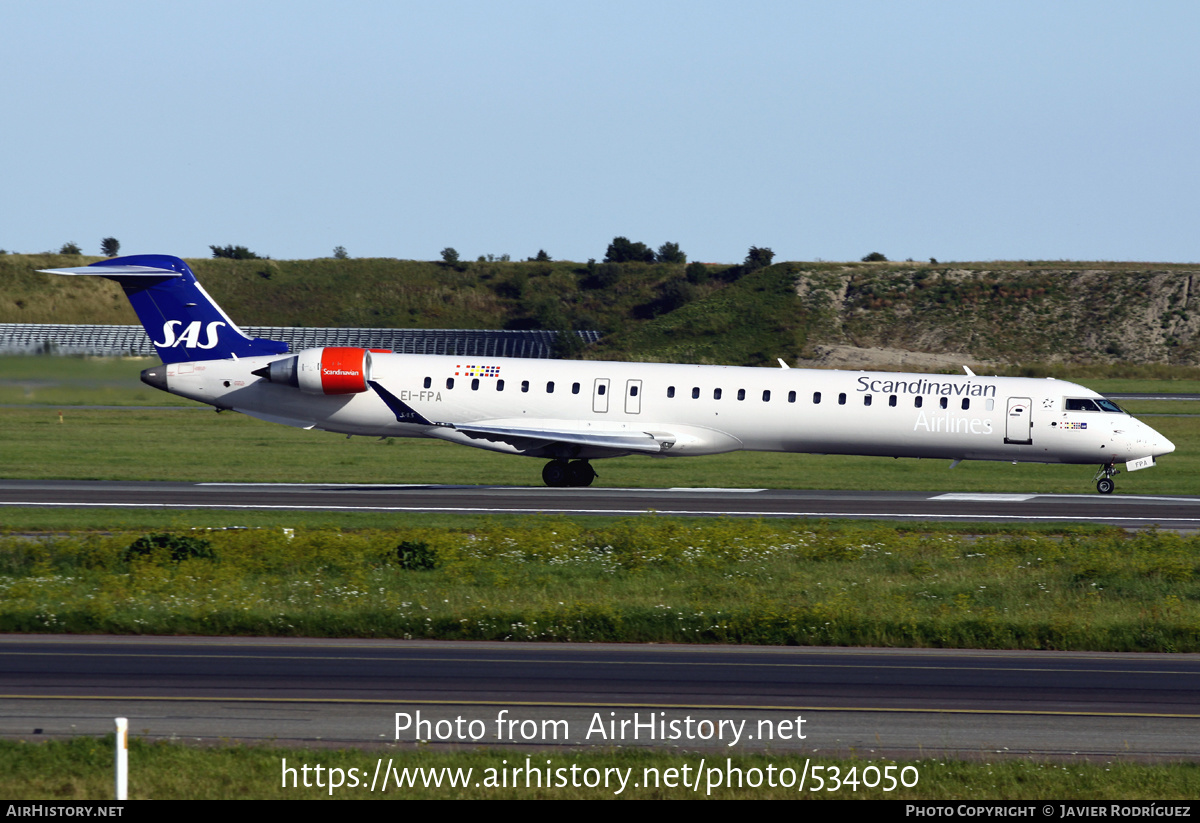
(571, 412)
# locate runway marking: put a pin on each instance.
(444, 486)
(967, 497)
(1053, 518)
(985, 497)
(604, 705)
(400, 658)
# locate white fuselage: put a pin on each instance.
(693, 410)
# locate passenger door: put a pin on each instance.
(1018, 423)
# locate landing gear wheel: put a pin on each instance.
(556, 473)
(1104, 478)
(580, 473)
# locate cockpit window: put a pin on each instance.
(1093, 404)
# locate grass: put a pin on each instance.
(641, 580)
(194, 444)
(81, 769)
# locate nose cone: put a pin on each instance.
(1163, 446)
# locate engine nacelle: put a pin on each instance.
(329, 370)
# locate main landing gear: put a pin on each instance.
(562, 473)
(1104, 478)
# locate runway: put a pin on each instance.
(886, 701)
(1127, 511)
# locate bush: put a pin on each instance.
(697, 273)
(623, 250)
(180, 546)
(233, 253)
(757, 259)
(875, 257)
(70, 248)
(416, 556)
(671, 253)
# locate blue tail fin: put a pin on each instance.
(183, 322)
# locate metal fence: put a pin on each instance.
(48, 338)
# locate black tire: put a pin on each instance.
(581, 473)
(556, 473)
(1105, 485)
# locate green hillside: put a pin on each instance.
(1104, 316)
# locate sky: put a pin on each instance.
(822, 130)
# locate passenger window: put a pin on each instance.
(475, 384)
(428, 382)
(449, 382)
(670, 391)
(695, 392)
(891, 400)
(741, 394)
(842, 399)
(943, 402)
(766, 395)
(524, 385)
(866, 399)
(918, 401)
(574, 388)
(791, 397)
(816, 398)
(499, 385)
(966, 404)
(633, 391)
(716, 394)
(550, 387)
(601, 389)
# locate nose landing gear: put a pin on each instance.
(1104, 478)
(562, 473)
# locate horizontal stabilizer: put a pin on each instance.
(112, 272)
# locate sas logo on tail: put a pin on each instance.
(190, 337)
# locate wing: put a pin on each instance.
(525, 439)
(620, 441)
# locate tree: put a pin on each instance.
(542, 257)
(670, 253)
(234, 253)
(622, 250)
(874, 257)
(70, 248)
(339, 253)
(110, 246)
(450, 256)
(757, 259)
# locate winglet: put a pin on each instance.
(404, 412)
